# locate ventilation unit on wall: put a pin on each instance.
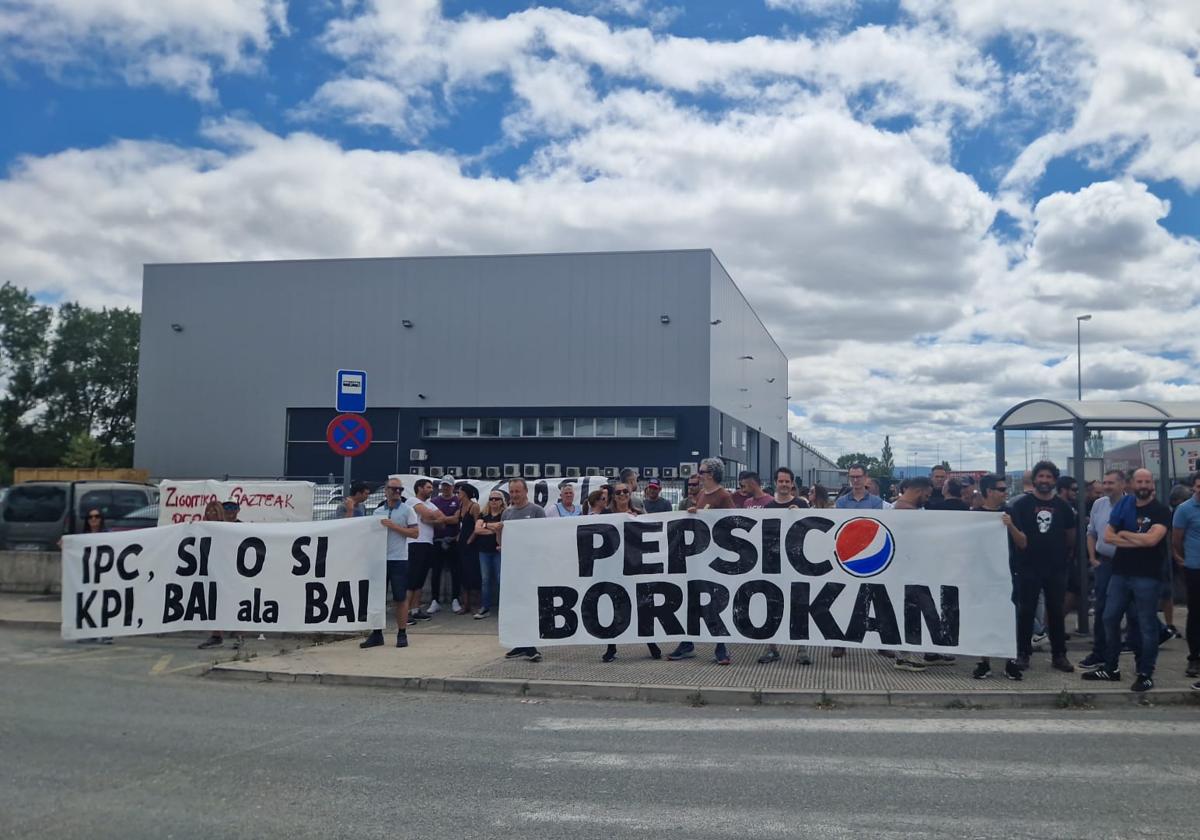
(414, 470)
(573, 472)
(434, 472)
(474, 472)
(417, 455)
(532, 470)
(492, 472)
(593, 471)
(553, 471)
(612, 472)
(649, 472)
(669, 472)
(686, 470)
(512, 470)
(454, 471)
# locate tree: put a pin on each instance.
(69, 377)
(844, 461)
(944, 465)
(887, 463)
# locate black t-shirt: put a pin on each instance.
(1045, 524)
(1144, 562)
(950, 503)
(936, 500)
(796, 501)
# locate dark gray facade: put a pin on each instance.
(238, 362)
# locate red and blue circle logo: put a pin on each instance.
(863, 547)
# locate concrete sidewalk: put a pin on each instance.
(456, 653)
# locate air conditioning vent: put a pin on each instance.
(553, 471)
(649, 472)
(492, 472)
(669, 472)
(474, 472)
(454, 471)
(593, 471)
(414, 470)
(417, 455)
(532, 470)
(612, 472)
(435, 472)
(573, 472)
(512, 470)
(686, 470)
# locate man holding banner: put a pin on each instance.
(401, 524)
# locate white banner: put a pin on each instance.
(261, 501)
(934, 581)
(284, 578)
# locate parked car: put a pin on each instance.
(35, 515)
(144, 517)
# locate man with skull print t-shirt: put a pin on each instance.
(1045, 528)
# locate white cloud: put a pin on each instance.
(177, 44)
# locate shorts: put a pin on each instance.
(420, 561)
(397, 571)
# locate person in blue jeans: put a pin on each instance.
(1100, 556)
(1138, 529)
(486, 527)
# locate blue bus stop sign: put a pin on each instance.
(351, 391)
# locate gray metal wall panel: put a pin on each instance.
(741, 333)
(584, 329)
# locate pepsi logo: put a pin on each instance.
(863, 547)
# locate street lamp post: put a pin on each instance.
(1079, 319)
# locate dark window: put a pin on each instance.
(489, 427)
(35, 503)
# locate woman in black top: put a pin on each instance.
(489, 552)
(621, 504)
(468, 551)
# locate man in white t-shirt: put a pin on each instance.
(420, 549)
(401, 524)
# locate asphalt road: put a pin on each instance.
(128, 742)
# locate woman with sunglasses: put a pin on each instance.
(487, 527)
(622, 503)
(597, 503)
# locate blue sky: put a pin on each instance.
(921, 193)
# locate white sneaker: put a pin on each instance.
(455, 606)
(434, 608)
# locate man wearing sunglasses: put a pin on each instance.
(401, 523)
(994, 488)
(689, 498)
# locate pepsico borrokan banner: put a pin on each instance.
(933, 581)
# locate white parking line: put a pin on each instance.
(888, 726)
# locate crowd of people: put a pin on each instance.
(445, 535)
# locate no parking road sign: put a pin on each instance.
(349, 434)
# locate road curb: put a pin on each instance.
(31, 623)
(722, 695)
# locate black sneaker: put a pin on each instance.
(420, 615)
(771, 655)
(401, 639)
(1101, 675)
(938, 659)
(211, 642)
(1165, 635)
(609, 654)
(515, 653)
(1021, 663)
(1193, 668)
(1174, 631)
(532, 655)
(1012, 671)
(374, 640)
(1196, 686)
(982, 671)
(1061, 663)
(1091, 662)
(1142, 683)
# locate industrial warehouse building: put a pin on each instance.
(539, 365)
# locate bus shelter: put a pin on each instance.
(1080, 418)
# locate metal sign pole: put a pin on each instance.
(346, 476)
